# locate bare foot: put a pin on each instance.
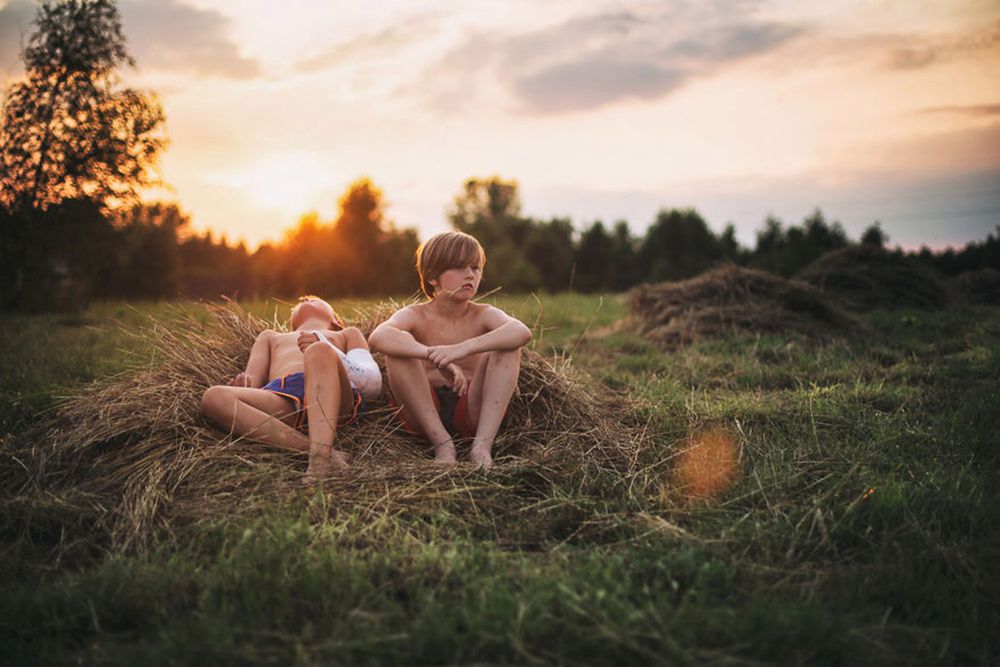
(445, 453)
(325, 464)
(481, 457)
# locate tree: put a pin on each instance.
(678, 245)
(150, 260)
(71, 134)
(69, 131)
(593, 260)
(874, 235)
(787, 251)
(483, 207)
(489, 209)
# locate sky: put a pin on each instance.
(870, 110)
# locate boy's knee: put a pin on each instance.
(320, 354)
(511, 356)
(212, 399)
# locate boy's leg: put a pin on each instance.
(253, 413)
(489, 395)
(328, 395)
(412, 392)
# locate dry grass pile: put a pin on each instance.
(981, 286)
(132, 458)
(733, 299)
(865, 277)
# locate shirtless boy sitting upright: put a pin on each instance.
(452, 364)
(300, 386)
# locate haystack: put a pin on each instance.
(132, 458)
(733, 299)
(981, 286)
(865, 277)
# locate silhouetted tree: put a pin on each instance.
(485, 207)
(678, 245)
(211, 268)
(874, 235)
(150, 257)
(594, 259)
(624, 259)
(489, 209)
(786, 251)
(69, 133)
(73, 252)
(730, 247)
(69, 130)
(549, 248)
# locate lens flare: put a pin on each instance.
(707, 466)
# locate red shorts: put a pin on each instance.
(453, 409)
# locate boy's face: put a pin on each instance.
(460, 283)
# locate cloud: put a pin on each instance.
(970, 110)
(166, 35)
(920, 51)
(379, 44)
(587, 62)
(594, 81)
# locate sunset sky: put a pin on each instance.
(868, 109)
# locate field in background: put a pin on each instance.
(859, 523)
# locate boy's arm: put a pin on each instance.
(394, 337)
(504, 333)
(351, 337)
(258, 364)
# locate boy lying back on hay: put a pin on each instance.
(313, 379)
(452, 364)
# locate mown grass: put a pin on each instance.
(861, 527)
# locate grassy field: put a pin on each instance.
(860, 525)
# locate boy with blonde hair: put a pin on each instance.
(452, 363)
(300, 386)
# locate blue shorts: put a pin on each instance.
(293, 387)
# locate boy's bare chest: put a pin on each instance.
(285, 348)
(441, 331)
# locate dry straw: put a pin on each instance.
(732, 299)
(865, 277)
(131, 459)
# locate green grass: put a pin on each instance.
(862, 528)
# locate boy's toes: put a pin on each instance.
(481, 459)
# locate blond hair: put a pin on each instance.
(447, 250)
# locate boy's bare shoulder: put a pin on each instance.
(410, 314)
(491, 315)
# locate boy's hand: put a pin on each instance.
(241, 380)
(459, 382)
(444, 355)
(307, 338)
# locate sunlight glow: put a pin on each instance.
(288, 183)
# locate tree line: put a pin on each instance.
(77, 148)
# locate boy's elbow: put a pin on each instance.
(525, 334)
(375, 340)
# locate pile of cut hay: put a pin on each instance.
(732, 299)
(981, 286)
(865, 277)
(132, 458)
